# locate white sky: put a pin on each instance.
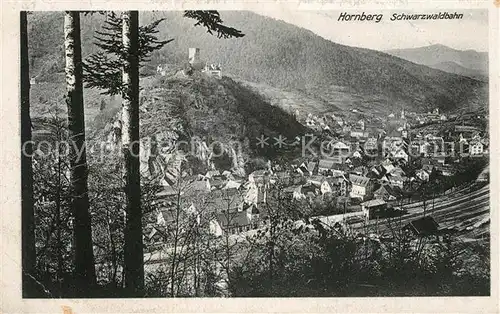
(471, 32)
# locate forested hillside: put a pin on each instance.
(469, 63)
(281, 55)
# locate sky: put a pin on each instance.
(471, 32)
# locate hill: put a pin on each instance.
(463, 62)
(215, 121)
(283, 56)
(453, 67)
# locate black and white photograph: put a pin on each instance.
(260, 153)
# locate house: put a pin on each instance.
(476, 148)
(397, 171)
(445, 170)
(385, 179)
(311, 167)
(357, 154)
(213, 70)
(217, 182)
(371, 144)
(387, 165)
(426, 149)
(387, 193)
(309, 190)
(302, 170)
(212, 173)
(220, 200)
(376, 172)
(294, 192)
(423, 174)
(338, 120)
(256, 193)
(462, 139)
(322, 183)
(231, 222)
(371, 207)
(198, 186)
(422, 227)
(397, 180)
(228, 175)
(260, 177)
(361, 186)
(326, 165)
(358, 133)
(440, 159)
(168, 217)
(401, 154)
(339, 147)
(232, 184)
(340, 184)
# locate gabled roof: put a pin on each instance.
(198, 187)
(233, 219)
(422, 170)
(317, 178)
(338, 145)
(326, 163)
(292, 188)
(397, 171)
(217, 182)
(359, 180)
(212, 173)
(311, 166)
(397, 178)
(391, 190)
(259, 173)
(232, 184)
(373, 203)
(224, 200)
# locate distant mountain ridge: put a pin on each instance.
(283, 56)
(469, 63)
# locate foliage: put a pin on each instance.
(213, 23)
(333, 263)
(103, 69)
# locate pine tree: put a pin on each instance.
(102, 71)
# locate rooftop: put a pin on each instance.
(359, 180)
(373, 203)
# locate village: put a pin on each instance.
(374, 165)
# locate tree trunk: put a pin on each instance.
(84, 255)
(133, 250)
(28, 213)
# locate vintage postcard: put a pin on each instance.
(222, 156)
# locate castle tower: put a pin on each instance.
(194, 55)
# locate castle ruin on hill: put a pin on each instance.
(195, 65)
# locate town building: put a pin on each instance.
(373, 207)
(423, 174)
(387, 193)
(476, 148)
(361, 187)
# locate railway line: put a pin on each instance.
(459, 211)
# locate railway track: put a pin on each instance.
(448, 212)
